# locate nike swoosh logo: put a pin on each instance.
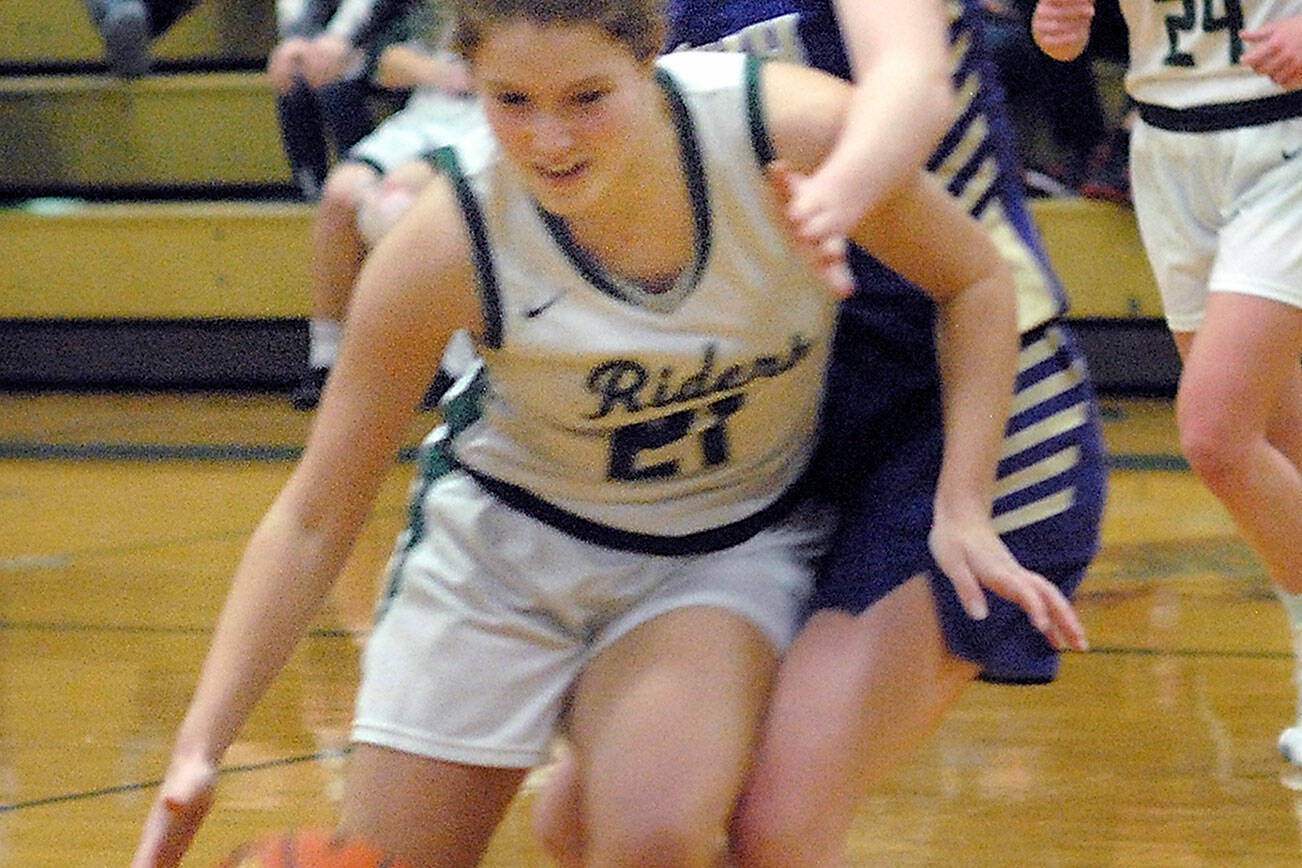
(532, 312)
(1288, 155)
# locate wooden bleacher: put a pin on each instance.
(204, 122)
(92, 272)
(1115, 309)
(153, 260)
(55, 36)
(148, 239)
(93, 134)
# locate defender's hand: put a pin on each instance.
(974, 557)
(824, 250)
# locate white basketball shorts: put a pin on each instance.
(1220, 212)
(429, 120)
(491, 615)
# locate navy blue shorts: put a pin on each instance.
(1048, 506)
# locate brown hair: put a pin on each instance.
(638, 24)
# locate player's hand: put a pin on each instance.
(823, 206)
(824, 250)
(1276, 51)
(325, 59)
(1061, 28)
(183, 801)
(453, 76)
(285, 63)
(973, 557)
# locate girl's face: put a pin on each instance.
(569, 107)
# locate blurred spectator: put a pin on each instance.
(1079, 151)
(373, 183)
(321, 71)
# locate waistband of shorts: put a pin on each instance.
(696, 543)
(1223, 116)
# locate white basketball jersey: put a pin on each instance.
(1186, 52)
(665, 422)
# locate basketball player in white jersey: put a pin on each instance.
(620, 535)
(887, 648)
(1217, 183)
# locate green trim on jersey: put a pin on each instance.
(461, 407)
(698, 189)
(490, 300)
(759, 134)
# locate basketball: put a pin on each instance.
(308, 848)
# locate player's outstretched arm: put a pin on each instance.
(414, 292)
(921, 232)
(924, 234)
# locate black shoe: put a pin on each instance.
(434, 392)
(125, 29)
(307, 394)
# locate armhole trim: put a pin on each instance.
(759, 134)
(490, 301)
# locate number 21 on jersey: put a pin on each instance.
(711, 438)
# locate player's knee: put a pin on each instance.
(345, 188)
(557, 825)
(659, 827)
(766, 834)
(1213, 463)
(1213, 448)
(381, 210)
(651, 839)
(412, 175)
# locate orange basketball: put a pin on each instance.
(308, 848)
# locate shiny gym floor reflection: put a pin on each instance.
(123, 516)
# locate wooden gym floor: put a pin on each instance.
(123, 516)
